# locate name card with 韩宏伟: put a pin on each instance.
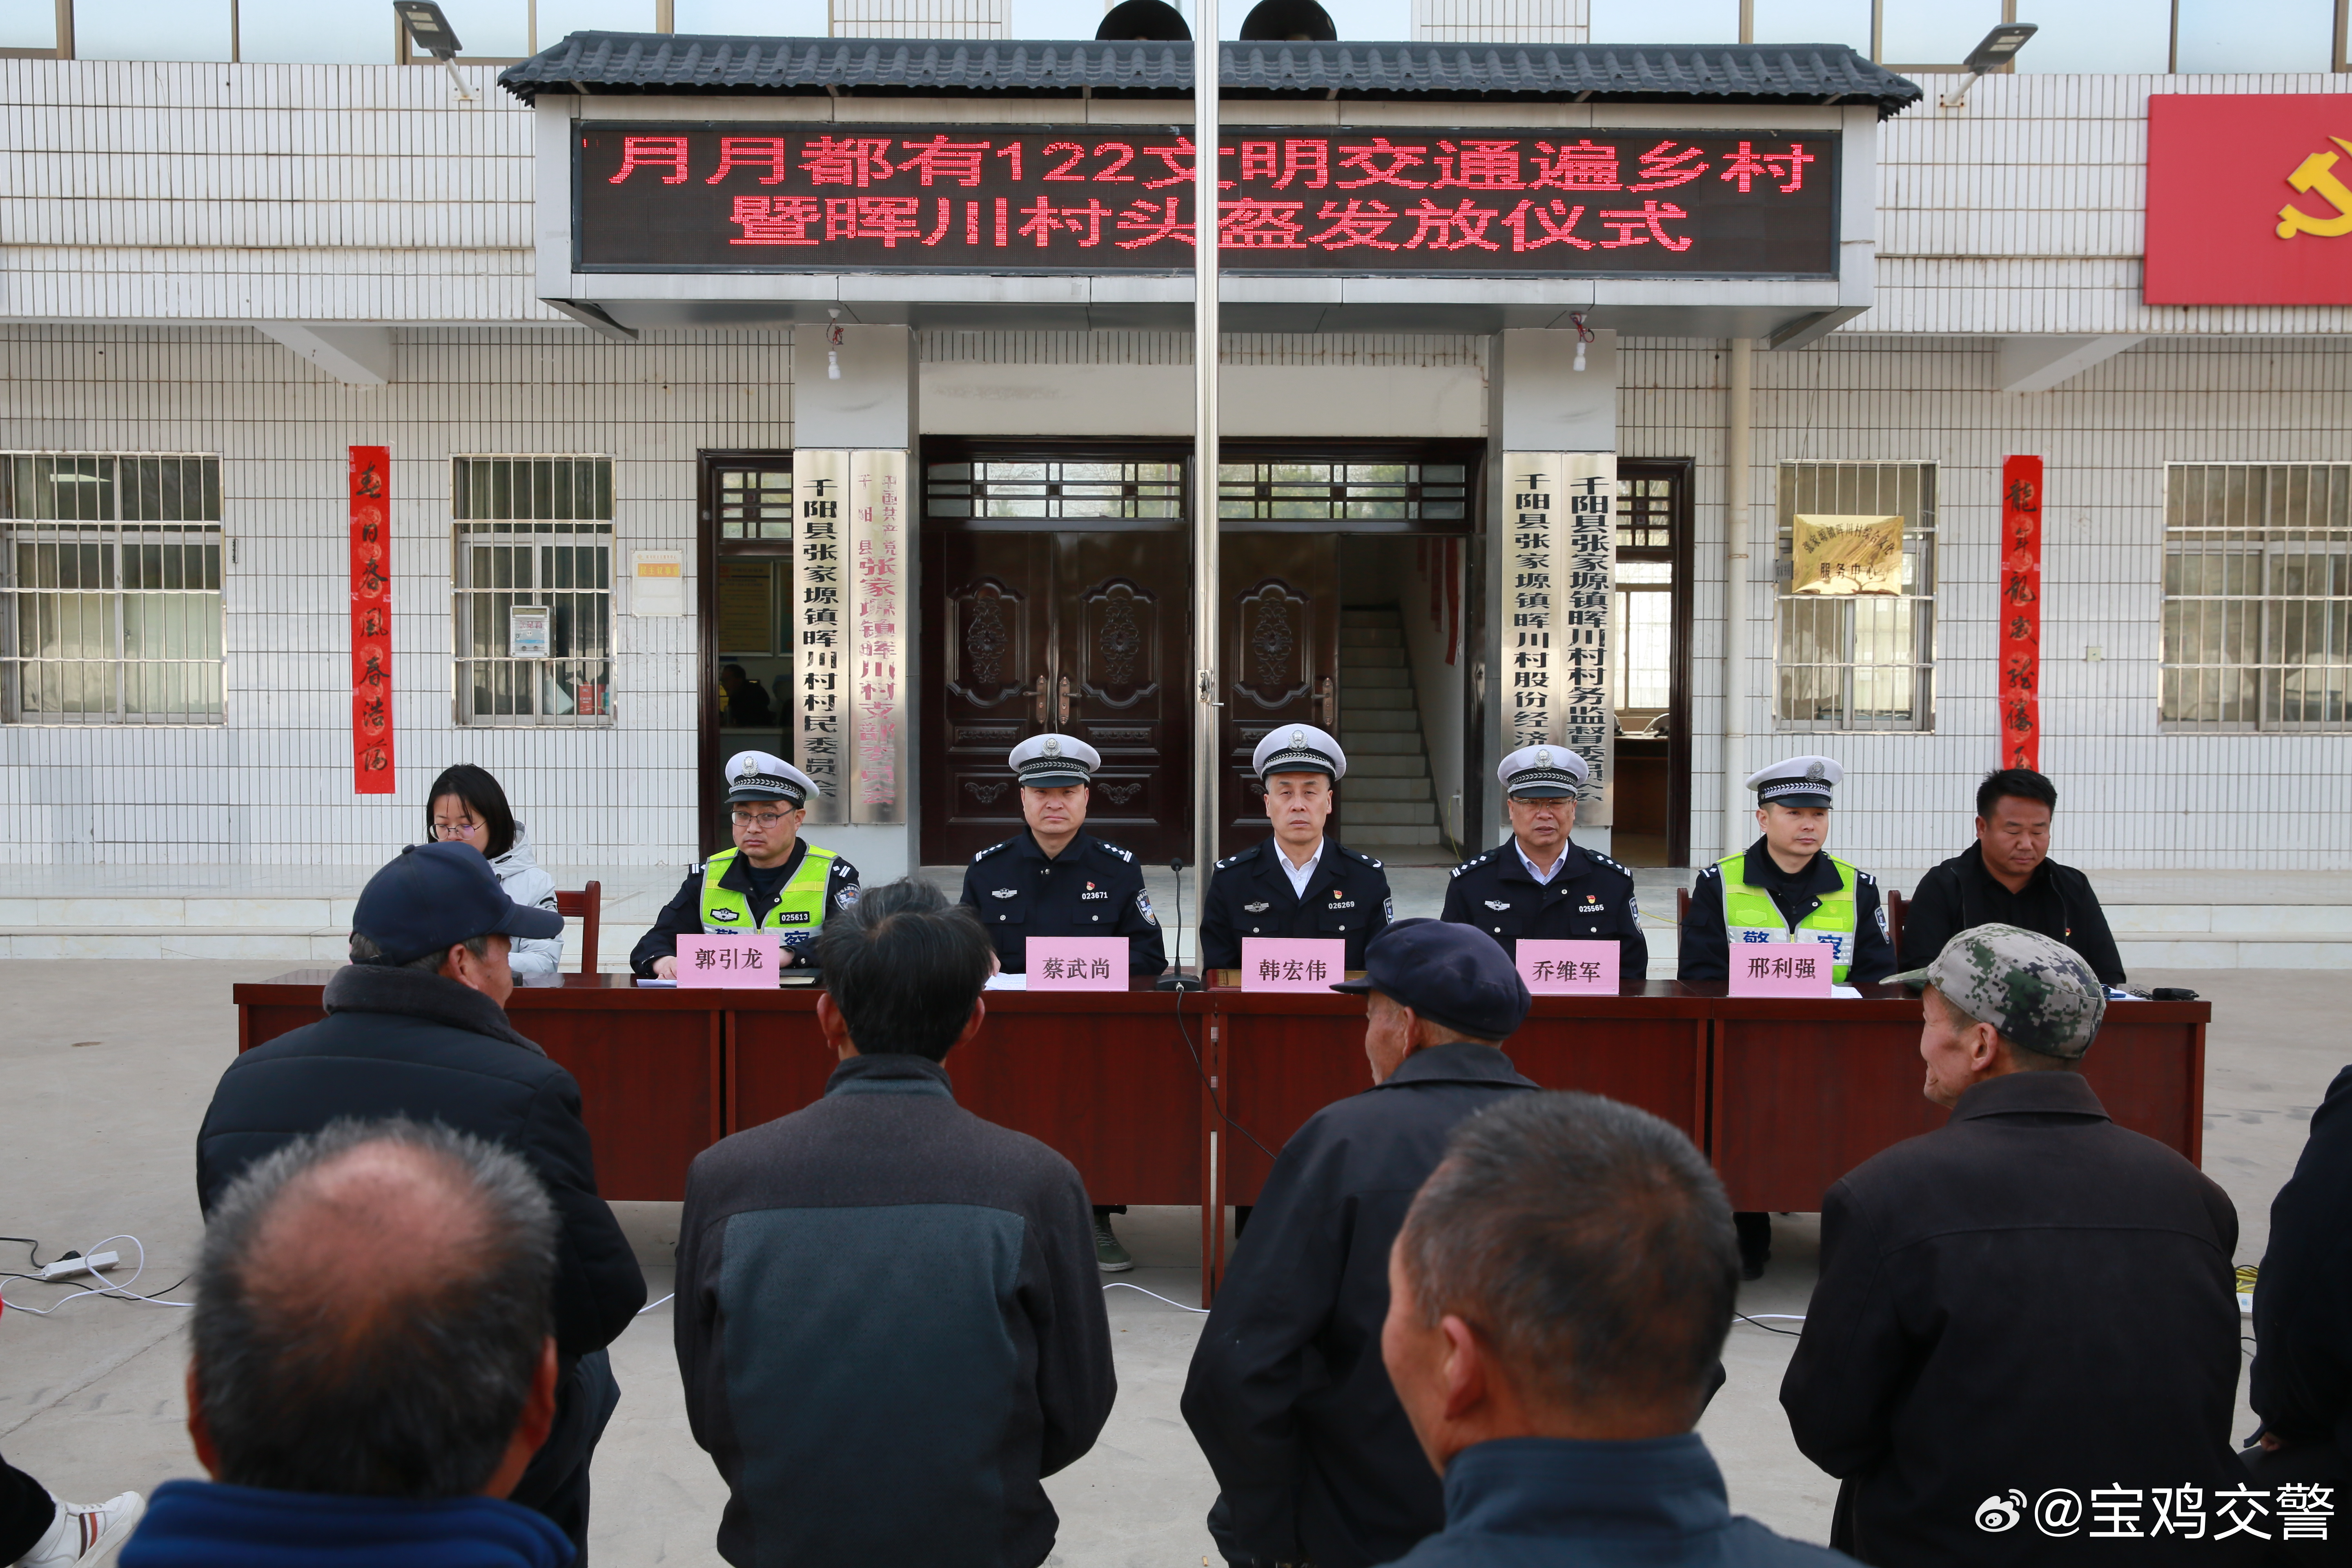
(1075, 964)
(714, 962)
(1781, 968)
(1293, 964)
(1555, 968)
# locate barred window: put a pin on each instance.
(1053, 488)
(2257, 596)
(534, 590)
(1309, 492)
(109, 588)
(1865, 659)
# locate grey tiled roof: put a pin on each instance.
(1622, 73)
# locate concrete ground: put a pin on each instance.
(106, 1069)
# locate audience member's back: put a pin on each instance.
(888, 1321)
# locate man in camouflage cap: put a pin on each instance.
(2026, 1303)
(2001, 999)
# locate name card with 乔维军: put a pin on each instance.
(1076, 963)
(1293, 964)
(1781, 968)
(713, 963)
(1557, 968)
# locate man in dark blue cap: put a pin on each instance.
(416, 1026)
(1314, 1456)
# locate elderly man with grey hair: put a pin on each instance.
(1556, 1300)
(373, 1361)
(2025, 1335)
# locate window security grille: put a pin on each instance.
(755, 504)
(1862, 661)
(533, 590)
(111, 588)
(1343, 492)
(2257, 596)
(989, 488)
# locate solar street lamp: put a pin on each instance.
(1998, 47)
(429, 30)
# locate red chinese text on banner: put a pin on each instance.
(371, 484)
(2020, 613)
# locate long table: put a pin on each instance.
(1180, 1099)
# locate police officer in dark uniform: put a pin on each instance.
(1542, 884)
(1055, 881)
(1298, 883)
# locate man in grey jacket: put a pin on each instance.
(863, 1412)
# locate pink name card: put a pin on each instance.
(1076, 962)
(1781, 968)
(720, 962)
(1292, 962)
(1552, 968)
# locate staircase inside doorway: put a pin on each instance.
(1388, 807)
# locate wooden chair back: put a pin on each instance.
(587, 907)
(1895, 904)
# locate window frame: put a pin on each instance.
(1923, 560)
(117, 536)
(2272, 539)
(540, 531)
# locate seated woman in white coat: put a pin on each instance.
(467, 806)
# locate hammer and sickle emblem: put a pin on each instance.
(2316, 175)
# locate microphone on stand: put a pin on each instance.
(1176, 979)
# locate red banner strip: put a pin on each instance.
(2020, 613)
(370, 486)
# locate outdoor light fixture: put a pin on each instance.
(833, 349)
(1583, 336)
(429, 30)
(1999, 47)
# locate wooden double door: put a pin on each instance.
(1087, 633)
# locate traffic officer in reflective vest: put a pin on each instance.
(1298, 883)
(1542, 884)
(773, 880)
(1055, 880)
(1786, 888)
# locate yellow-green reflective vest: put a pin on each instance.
(1750, 915)
(800, 908)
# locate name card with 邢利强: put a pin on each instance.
(1781, 968)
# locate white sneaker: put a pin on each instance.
(86, 1533)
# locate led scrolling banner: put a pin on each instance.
(1100, 199)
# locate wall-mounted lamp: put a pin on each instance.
(1583, 336)
(833, 347)
(1998, 47)
(429, 30)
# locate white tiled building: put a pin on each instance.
(269, 264)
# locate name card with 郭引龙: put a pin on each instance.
(720, 962)
(1293, 964)
(1554, 968)
(1781, 968)
(1076, 963)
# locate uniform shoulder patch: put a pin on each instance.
(1604, 859)
(1230, 859)
(1864, 876)
(1126, 855)
(992, 850)
(843, 869)
(1359, 855)
(1474, 862)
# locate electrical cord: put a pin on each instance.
(1123, 1285)
(651, 1305)
(120, 1292)
(1198, 1068)
(1758, 1318)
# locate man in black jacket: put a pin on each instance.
(2301, 1382)
(2007, 878)
(1314, 1460)
(416, 1026)
(2024, 1341)
(863, 1410)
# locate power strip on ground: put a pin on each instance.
(67, 1268)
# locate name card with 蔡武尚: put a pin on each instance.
(1781, 968)
(718, 962)
(1293, 964)
(1558, 968)
(1076, 963)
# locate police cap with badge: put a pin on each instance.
(756, 776)
(1053, 762)
(1543, 772)
(1299, 748)
(1799, 781)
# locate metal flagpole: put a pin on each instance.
(1207, 762)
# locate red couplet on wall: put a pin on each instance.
(2020, 613)
(370, 485)
(2249, 199)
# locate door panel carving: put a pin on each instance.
(988, 643)
(1281, 642)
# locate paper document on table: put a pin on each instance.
(657, 984)
(1007, 982)
(1847, 991)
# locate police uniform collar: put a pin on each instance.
(1574, 863)
(1456, 1061)
(737, 877)
(1027, 845)
(1759, 869)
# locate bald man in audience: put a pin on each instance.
(373, 1333)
